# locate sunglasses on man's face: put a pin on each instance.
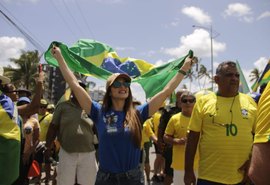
(118, 84)
(188, 100)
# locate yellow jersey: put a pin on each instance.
(44, 125)
(262, 133)
(156, 121)
(226, 125)
(177, 127)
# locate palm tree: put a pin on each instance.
(26, 70)
(203, 73)
(190, 75)
(255, 74)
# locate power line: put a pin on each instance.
(26, 35)
(65, 22)
(84, 19)
(35, 42)
(72, 17)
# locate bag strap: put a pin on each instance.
(43, 118)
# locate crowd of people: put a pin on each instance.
(216, 138)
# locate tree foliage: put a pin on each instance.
(25, 69)
(254, 75)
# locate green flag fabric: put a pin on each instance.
(10, 142)
(243, 87)
(103, 61)
(75, 62)
(156, 79)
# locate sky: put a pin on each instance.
(153, 30)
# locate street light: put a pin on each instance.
(210, 30)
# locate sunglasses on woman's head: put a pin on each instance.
(118, 84)
(188, 100)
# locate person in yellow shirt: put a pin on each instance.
(167, 150)
(222, 124)
(175, 134)
(45, 119)
(259, 168)
(159, 160)
(147, 136)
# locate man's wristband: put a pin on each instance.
(182, 72)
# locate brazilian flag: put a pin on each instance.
(9, 142)
(90, 57)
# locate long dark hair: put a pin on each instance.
(132, 119)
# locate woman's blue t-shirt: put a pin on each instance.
(117, 152)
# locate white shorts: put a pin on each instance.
(178, 177)
(83, 165)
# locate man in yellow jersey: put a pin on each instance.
(259, 171)
(167, 150)
(222, 124)
(175, 134)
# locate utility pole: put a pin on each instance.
(210, 31)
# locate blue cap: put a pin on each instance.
(24, 99)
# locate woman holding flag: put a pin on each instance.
(118, 123)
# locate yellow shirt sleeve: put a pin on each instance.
(170, 129)
(262, 132)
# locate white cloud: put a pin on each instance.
(241, 11)
(159, 63)
(247, 19)
(138, 92)
(200, 42)
(197, 14)
(149, 53)
(124, 48)
(264, 15)
(261, 63)
(238, 9)
(174, 23)
(10, 47)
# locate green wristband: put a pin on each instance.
(182, 72)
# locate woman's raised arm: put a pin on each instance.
(156, 102)
(82, 96)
